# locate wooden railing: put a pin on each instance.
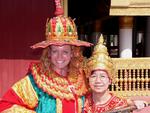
(132, 77)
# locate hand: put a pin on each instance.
(140, 104)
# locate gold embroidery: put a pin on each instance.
(79, 105)
(113, 103)
(18, 109)
(59, 105)
(25, 91)
(56, 85)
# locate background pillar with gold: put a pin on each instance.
(125, 36)
(65, 7)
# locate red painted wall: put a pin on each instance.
(22, 24)
(12, 70)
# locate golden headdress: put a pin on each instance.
(100, 60)
(61, 30)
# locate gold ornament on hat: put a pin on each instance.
(100, 60)
(61, 30)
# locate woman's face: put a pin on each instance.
(99, 81)
(60, 56)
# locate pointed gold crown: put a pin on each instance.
(100, 60)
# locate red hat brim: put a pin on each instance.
(47, 43)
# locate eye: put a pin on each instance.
(93, 76)
(66, 52)
(53, 51)
(102, 76)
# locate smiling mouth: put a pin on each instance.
(59, 62)
(98, 85)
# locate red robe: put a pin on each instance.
(113, 103)
(45, 91)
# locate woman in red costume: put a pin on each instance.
(101, 75)
(56, 84)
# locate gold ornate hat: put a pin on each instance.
(60, 30)
(100, 60)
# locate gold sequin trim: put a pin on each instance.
(17, 109)
(25, 91)
(56, 85)
(79, 105)
(59, 105)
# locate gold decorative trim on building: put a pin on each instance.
(132, 63)
(130, 7)
(132, 77)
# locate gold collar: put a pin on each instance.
(56, 85)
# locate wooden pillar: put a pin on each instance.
(65, 7)
(96, 31)
(147, 39)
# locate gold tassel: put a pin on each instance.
(79, 105)
(58, 105)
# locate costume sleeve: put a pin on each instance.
(21, 98)
(120, 103)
